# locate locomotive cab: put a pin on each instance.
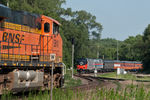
(51, 42)
(82, 65)
(49, 26)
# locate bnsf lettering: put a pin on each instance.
(16, 38)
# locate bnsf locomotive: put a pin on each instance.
(29, 43)
(89, 65)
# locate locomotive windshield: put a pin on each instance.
(82, 61)
(55, 28)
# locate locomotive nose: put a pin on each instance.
(81, 63)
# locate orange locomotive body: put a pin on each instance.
(23, 43)
(29, 43)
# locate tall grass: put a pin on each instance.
(130, 92)
(71, 82)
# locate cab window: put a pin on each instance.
(38, 26)
(1, 21)
(55, 28)
(46, 27)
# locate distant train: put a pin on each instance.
(85, 65)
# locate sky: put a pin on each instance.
(119, 18)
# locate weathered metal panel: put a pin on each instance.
(95, 63)
(20, 84)
(4, 11)
(20, 17)
(108, 64)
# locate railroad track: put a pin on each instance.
(112, 79)
(94, 82)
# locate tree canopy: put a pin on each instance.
(146, 47)
(78, 25)
(86, 31)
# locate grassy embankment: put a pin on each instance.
(127, 76)
(130, 92)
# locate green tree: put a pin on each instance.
(108, 48)
(46, 7)
(79, 25)
(131, 48)
(146, 51)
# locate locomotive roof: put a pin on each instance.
(94, 58)
(22, 17)
(4, 11)
(52, 19)
(10, 11)
(112, 60)
(19, 17)
(122, 61)
(131, 62)
(55, 21)
(3, 6)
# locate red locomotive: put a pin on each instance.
(29, 43)
(86, 65)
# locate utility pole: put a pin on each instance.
(52, 81)
(64, 68)
(97, 51)
(52, 58)
(7, 3)
(117, 50)
(72, 55)
(103, 57)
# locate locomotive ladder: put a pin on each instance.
(34, 52)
